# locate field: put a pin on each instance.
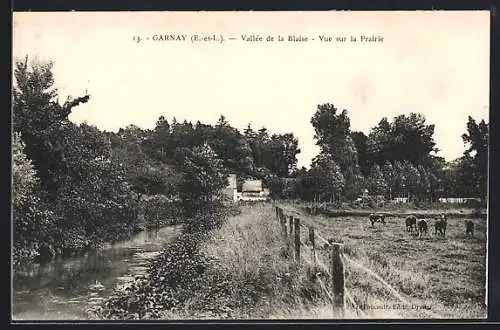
(447, 275)
(245, 269)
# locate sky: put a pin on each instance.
(435, 63)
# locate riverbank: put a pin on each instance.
(240, 270)
(65, 288)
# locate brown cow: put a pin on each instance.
(411, 223)
(422, 227)
(377, 218)
(440, 225)
(469, 227)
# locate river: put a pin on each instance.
(64, 289)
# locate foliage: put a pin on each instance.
(228, 273)
(75, 186)
(159, 211)
(87, 196)
(24, 179)
(406, 138)
(277, 152)
(171, 276)
(361, 143)
(203, 176)
(31, 218)
(376, 181)
(333, 136)
(326, 178)
(476, 137)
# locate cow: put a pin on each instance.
(422, 227)
(411, 223)
(440, 225)
(377, 218)
(469, 227)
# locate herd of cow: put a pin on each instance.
(421, 226)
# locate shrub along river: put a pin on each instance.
(65, 288)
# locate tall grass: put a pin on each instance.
(239, 268)
(244, 269)
(255, 269)
(445, 274)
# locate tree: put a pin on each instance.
(413, 138)
(332, 134)
(461, 178)
(85, 190)
(406, 138)
(146, 175)
(424, 183)
(400, 180)
(158, 211)
(390, 178)
(413, 179)
(435, 172)
(379, 143)
(327, 177)
(329, 126)
(231, 147)
(258, 143)
(95, 199)
(203, 177)
(376, 181)
(32, 221)
(249, 132)
(222, 122)
(361, 143)
(280, 154)
(24, 179)
(477, 138)
(40, 119)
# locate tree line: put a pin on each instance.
(397, 158)
(76, 186)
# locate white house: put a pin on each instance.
(252, 190)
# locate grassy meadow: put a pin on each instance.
(245, 269)
(440, 277)
(260, 278)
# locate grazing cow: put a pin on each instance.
(377, 218)
(469, 227)
(411, 223)
(422, 227)
(440, 225)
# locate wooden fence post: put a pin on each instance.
(338, 280)
(313, 244)
(297, 239)
(290, 228)
(283, 225)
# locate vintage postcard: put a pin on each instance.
(250, 165)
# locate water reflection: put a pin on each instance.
(64, 288)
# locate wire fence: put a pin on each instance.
(334, 288)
